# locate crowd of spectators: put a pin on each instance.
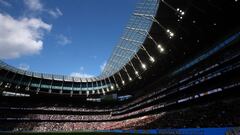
(77, 117)
(76, 126)
(53, 108)
(216, 114)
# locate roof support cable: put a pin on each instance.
(141, 46)
(111, 84)
(104, 92)
(150, 17)
(140, 31)
(98, 91)
(61, 91)
(116, 82)
(92, 86)
(169, 32)
(123, 82)
(129, 63)
(29, 83)
(102, 87)
(124, 69)
(142, 64)
(129, 77)
(80, 86)
(39, 86)
(114, 68)
(87, 85)
(147, 16)
(50, 89)
(71, 92)
(136, 72)
(106, 85)
(20, 81)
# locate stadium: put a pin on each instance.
(176, 66)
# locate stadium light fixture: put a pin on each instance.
(160, 48)
(87, 92)
(130, 79)
(170, 33)
(17, 87)
(112, 87)
(144, 66)
(103, 91)
(8, 85)
(180, 14)
(98, 92)
(180, 11)
(136, 73)
(123, 82)
(152, 59)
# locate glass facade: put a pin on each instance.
(133, 36)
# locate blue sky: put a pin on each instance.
(70, 37)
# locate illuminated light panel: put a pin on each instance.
(144, 66)
(136, 72)
(152, 59)
(160, 48)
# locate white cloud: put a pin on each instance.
(23, 66)
(63, 40)
(81, 68)
(55, 13)
(103, 66)
(21, 36)
(34, 5)
(5, 3)
(37, 6)
(85, 75)
(81, 73)
(93, 57)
